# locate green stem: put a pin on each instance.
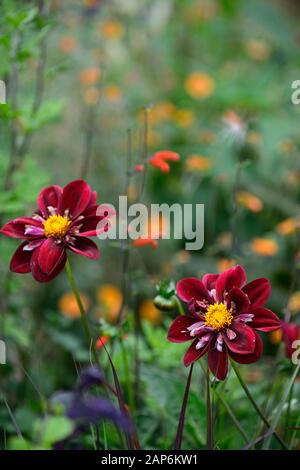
(255, 405)
(104, 436)
(127, 375)
(83, 314)
(209, 424)
(178, 305)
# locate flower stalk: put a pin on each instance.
(255, 405)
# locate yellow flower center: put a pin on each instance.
(218, 316)
(56, 226)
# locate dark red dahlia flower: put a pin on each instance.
(290, 333)
(224, 314)
(65, 218)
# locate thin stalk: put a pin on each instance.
(104, 436)
(228, 409)
(178, 305)
(83, 315)
(210, 443)
(281, 404)
(288, 412)
(255, 405)
(127, 375)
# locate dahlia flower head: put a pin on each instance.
(224, 315)
(64, 220)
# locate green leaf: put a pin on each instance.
(53, 429)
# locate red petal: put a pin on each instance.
(258, 291)
(265, 320)
(209, 280)
(192, 288)
(233, 277)
(291, 332)
(161, 164)
(177, 333)
(244, 342)
(252, 357)
(20, 262)
(89, 226)
(167, 155)
(218, 363)
(85, 247)
(16, 228)
(39, 275)
(50, 255)
(194, 354)
(240, 300)
(49, 197)
(75, 198)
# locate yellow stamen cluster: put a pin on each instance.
(218, 316)
(56, 226)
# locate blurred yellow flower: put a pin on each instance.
(287, 226)
(161, 111)
(258, 50)
(113, 93)
(182, 257)
(197, 163)
(149, 312)
(249, 201)
(91, 96)
(90, 76)
(207, 137)
(225, 263)
(275, 337)
(110, 300)
(184, 117)
(294, 302)
(112, 29)
(90, 3)
(67, 304)
(254, 137)
(132, 192)
(264, 246)
(287, 146)
(224, 239)
(67, 44)
(199, 85)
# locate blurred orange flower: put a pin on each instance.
(67, 304)
(110, 300)
(90, 76)
(249, 201)
(225, 263)
(294, 303)
(275, 337)
(102, 341)
(91, 96)
(113, 93)
(264, 246)
(67, 44)
(199, 85)
(197, 163)
(258, 50)
(287, 226)
(160, 159)
(112, 29)
(149, 312)
(153, 231)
